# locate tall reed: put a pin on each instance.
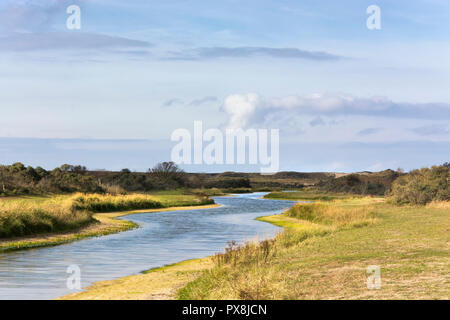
(19, 218)
(110, 203)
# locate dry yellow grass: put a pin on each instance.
(22, 217)
(336, 216)
(157, 284)
(439, 205)
(324, 261)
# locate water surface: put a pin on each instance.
(163, 238)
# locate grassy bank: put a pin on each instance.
(27, 222)
(26, 216)
(325, 249)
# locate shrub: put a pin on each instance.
(367, 183)
(420, 187)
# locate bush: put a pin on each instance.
(420, 187)
(17, 179)
(229, 183)
(368, 183)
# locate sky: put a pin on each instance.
(110, 94)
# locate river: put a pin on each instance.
(163, 238)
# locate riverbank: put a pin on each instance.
(154, 284)
(101, 223)
(326, 249)
(323, 253)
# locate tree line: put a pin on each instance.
(417, 187)
(17, 179)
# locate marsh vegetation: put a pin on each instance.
(325, 249)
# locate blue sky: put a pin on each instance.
(109, 95)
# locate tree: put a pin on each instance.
(41, 172)
(422, 186)
(168, 174)
(17, 167)
(3, 177)
(71, 168)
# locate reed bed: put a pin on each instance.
(20, 218)
(332, 215)
(111, 203)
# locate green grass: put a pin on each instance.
(57, 239)
(325, 249)
(179, 200)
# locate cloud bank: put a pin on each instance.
(33, 25)
(245, 52)
(247, 110)
(64, 41)
(33, 16)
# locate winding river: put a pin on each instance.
(163, 238)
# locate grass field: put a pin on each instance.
(324, 252)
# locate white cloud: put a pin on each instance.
(241, 109)
(250, 110)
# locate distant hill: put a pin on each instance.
(374, 183)
(280, 180)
